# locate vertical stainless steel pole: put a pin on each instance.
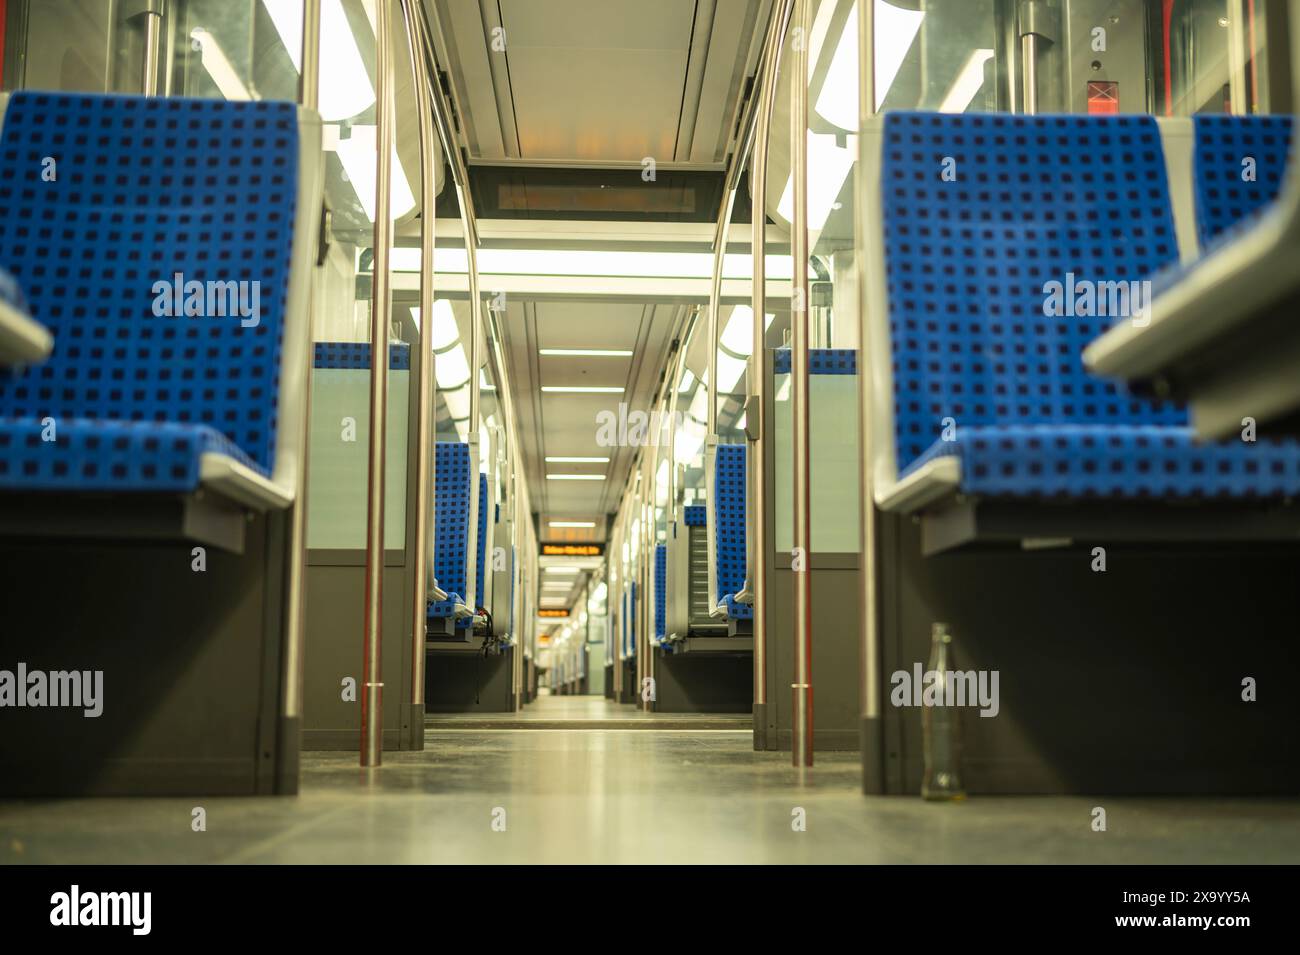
(869, 675)
(424, 388)
(472, 596)
(296, 620)
(1029, 63)
(635, 505)
(799, 312)
(756, 565)
(153, 17)
(309, 82)
(372, 700)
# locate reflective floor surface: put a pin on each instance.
(483, 795)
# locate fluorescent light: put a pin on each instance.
(448, 260)
(587, 352)
(358, 155)
(828, 166)
(738, 336)
(969, 82)
(561, 569)
(575, 477)
(570, 460)
(345, 88)
(451, 369)
(556, 585)
(218, 66)
(688, 379)
(730, 371)
(896, 30)
(583, 389)
(445, 329)
(570, 523)
(838, 100)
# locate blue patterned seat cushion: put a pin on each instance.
(119, 455)
(1115, 461)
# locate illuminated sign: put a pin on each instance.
(573, 550)
(552, 613)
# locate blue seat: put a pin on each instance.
(356, 355)
(1225, 201)
(990, 396)
(729, 529)
(150, 195)
(451, 525)
(694, 515)
(481, 539)
(661, 591)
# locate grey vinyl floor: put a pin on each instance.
(594, 794)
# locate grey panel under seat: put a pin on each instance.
(703, 682)
(191, 665)
(466, 681)
(334, 651)
(1127, 681)
(835, 659)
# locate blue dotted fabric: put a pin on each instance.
(695, 515)
(451, 523)
(661, 590)
(11, 293)
(1117, 461)
(145, 190)
(631, 618)
(357, 355)
(729, 527)
(821, 361)
(480, 590)
(1223, 197)
(122, 455)
(1035, 198)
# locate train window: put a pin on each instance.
(342, 307)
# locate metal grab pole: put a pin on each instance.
(802, 686)
(756, 564)
(295, 621)
(153, 16)
(372, 699)
(424, 414)
(869, 673)
(309, 82)
(472, 597)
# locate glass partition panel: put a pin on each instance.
(341, 321)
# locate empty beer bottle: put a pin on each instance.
(941, 726)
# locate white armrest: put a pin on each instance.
(930, 482)
(240, 483)
(22, 340)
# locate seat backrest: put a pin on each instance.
(981, 213)
(1239, 167)
(729, 519)
(109, 207)
(661, 590)
(480, 594)
(356, 355)
(451, 510)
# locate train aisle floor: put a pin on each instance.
(567, 796)
(586, 712)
